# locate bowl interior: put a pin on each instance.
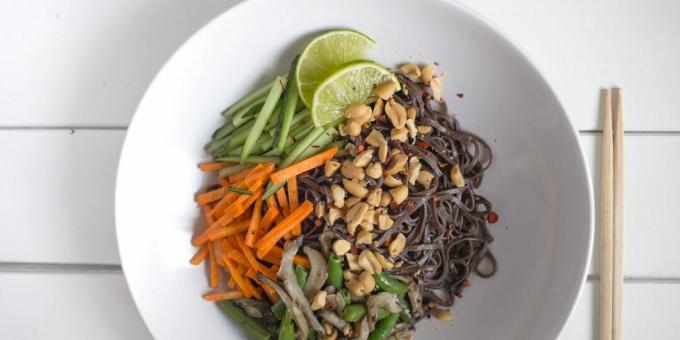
(538, 182)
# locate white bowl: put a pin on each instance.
(538, 182)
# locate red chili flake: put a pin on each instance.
(466, 283)
(460, 95)
(317, 222)
(492, 217)
(410, 204)
(361, 147)
(424, 145)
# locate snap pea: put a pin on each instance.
(353, 312)
(346, 296)
(301, 275)
(405, 314)
(279, 310)
(335, 271)
(250, 325)
(384, 327)
(389, 284)
(382, 313)
(287, 331)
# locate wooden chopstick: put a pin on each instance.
(606, 221)
(617, 272)
(611, 217)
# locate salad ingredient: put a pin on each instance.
(317, 274)
(268, 241)
(384, 327)
(353, 83)
(302, 166)
(230, 295)
(250, 325)
(262, 118)
(325, 54)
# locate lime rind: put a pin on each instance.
(353, 83)
(326, 54)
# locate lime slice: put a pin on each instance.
(354, 83)
(326, 54)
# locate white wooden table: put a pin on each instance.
(72, 72)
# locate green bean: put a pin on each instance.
(353, 312)
(382, 313)
(250, 325)
(251, 159)
(405, 314)
(288, 107)
(279, 309)
(301, 275)
(262, 118)
(346, 296)
(335, 271)
(384, 327)
(261, 92)
(389, 284)
(287, 331)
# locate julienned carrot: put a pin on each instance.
(248, 253)
(283, 201)
(233, 197)
(224, 182)
(217, 247)
(303, 166)
(271, 293)
(268, 221)
(293, 202)
(245, 285)
(239, 175)
(231, 229)
(269, 240)
(211, 196)
(260, 171)
(271, 203)
(214, 274)
(275, 254)
(238, 208)
(231, 283)
(238, 257)
(226, 219)
(212, 166)
(199, 256)
(254, 224)
(230, 295)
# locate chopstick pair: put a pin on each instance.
(611, 215)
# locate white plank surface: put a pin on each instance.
(57, 191)
(582, 45)
(76, 174)
(41, 306)
(87, 63)
(70, 306)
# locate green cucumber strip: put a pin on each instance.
(251, 159)
(301, 146)
(318, 144)
(288, 108)
(262, 117)
(243, 102)
(230, 170)
(245, 114)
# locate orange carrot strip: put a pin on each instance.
(199, 256)
(260, 171)
(303, 166)
(294, 202)
(234, 228)
(269, 240)
(271, 203)
(239, 175)
(211, 196)
(204, 236)
(245, 285)
(268, 221)
(254, 225)
(224, 182)
(214, 274)
(238, 257)
(240, 281)
(217, 247)
(230, 295)
(275, 254)
(283, 201)
(212, 166)
(231, 283)
(254, 264)
(271, 293)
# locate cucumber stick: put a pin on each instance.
(262, 117)
(318, 144)
(288, 109)
(249, 99)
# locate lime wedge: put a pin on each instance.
(326, 54)
(354, 83)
